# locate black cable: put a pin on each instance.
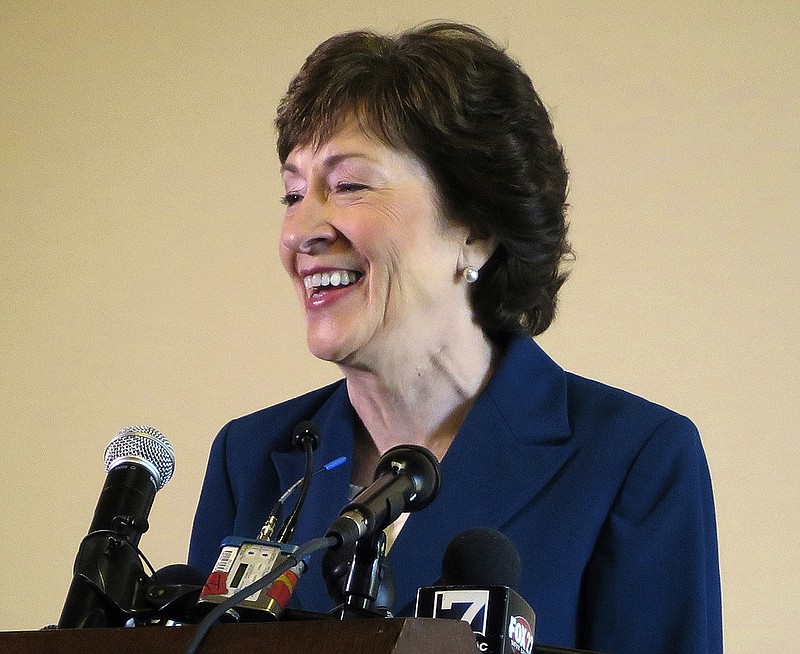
(122, 540)
(287, 530)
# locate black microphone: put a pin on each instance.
(109, 582)
(479, 568)
(407, 478)
(306, 439)
(242, 562)
(481, 557)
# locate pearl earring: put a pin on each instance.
(470, 274)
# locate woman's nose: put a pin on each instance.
(307, 229)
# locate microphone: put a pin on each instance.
(306, 439)
(109, 582)
(481, 557)
(479, 569)
(242, 562)
(407, 478)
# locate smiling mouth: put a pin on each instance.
(336, 278)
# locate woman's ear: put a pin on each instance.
(477, 250)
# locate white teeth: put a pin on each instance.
(335, 278)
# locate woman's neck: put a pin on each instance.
(419, 397)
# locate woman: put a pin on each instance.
(425, 235)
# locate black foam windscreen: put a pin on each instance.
(481, 557)
(306, 430)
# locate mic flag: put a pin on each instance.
(478, 568)
(503, 622)
(243, 561)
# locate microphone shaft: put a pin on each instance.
(125, 502)
(108, 576)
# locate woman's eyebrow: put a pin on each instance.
(330, 162)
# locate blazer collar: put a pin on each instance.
(514, 439)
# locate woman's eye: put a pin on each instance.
(349, 187)
(291, 198)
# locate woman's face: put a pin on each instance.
(374, 263)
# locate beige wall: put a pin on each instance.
(140, 282)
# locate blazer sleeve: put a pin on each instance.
(216, 509)
(652, 583)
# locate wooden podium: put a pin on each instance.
(394, 636)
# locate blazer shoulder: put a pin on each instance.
(598, 408)
(273, 423)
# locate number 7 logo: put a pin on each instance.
(471, 606)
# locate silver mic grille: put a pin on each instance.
(145, 446)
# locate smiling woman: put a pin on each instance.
(359, 207)
(425, 235)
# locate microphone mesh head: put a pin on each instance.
(146, 446)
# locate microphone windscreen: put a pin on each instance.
(306, 430)
(481, 557)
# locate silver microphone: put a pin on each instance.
(108, 579)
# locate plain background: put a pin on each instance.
(140, 282)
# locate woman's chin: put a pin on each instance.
(327, 350)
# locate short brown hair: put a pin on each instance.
(453, 98)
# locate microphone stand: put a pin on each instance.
(364, 579)
(108, 577)
(110, 586)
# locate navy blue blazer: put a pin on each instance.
(606, 495)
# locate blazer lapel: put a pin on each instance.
(513, 441)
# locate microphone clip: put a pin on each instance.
(361, 583)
